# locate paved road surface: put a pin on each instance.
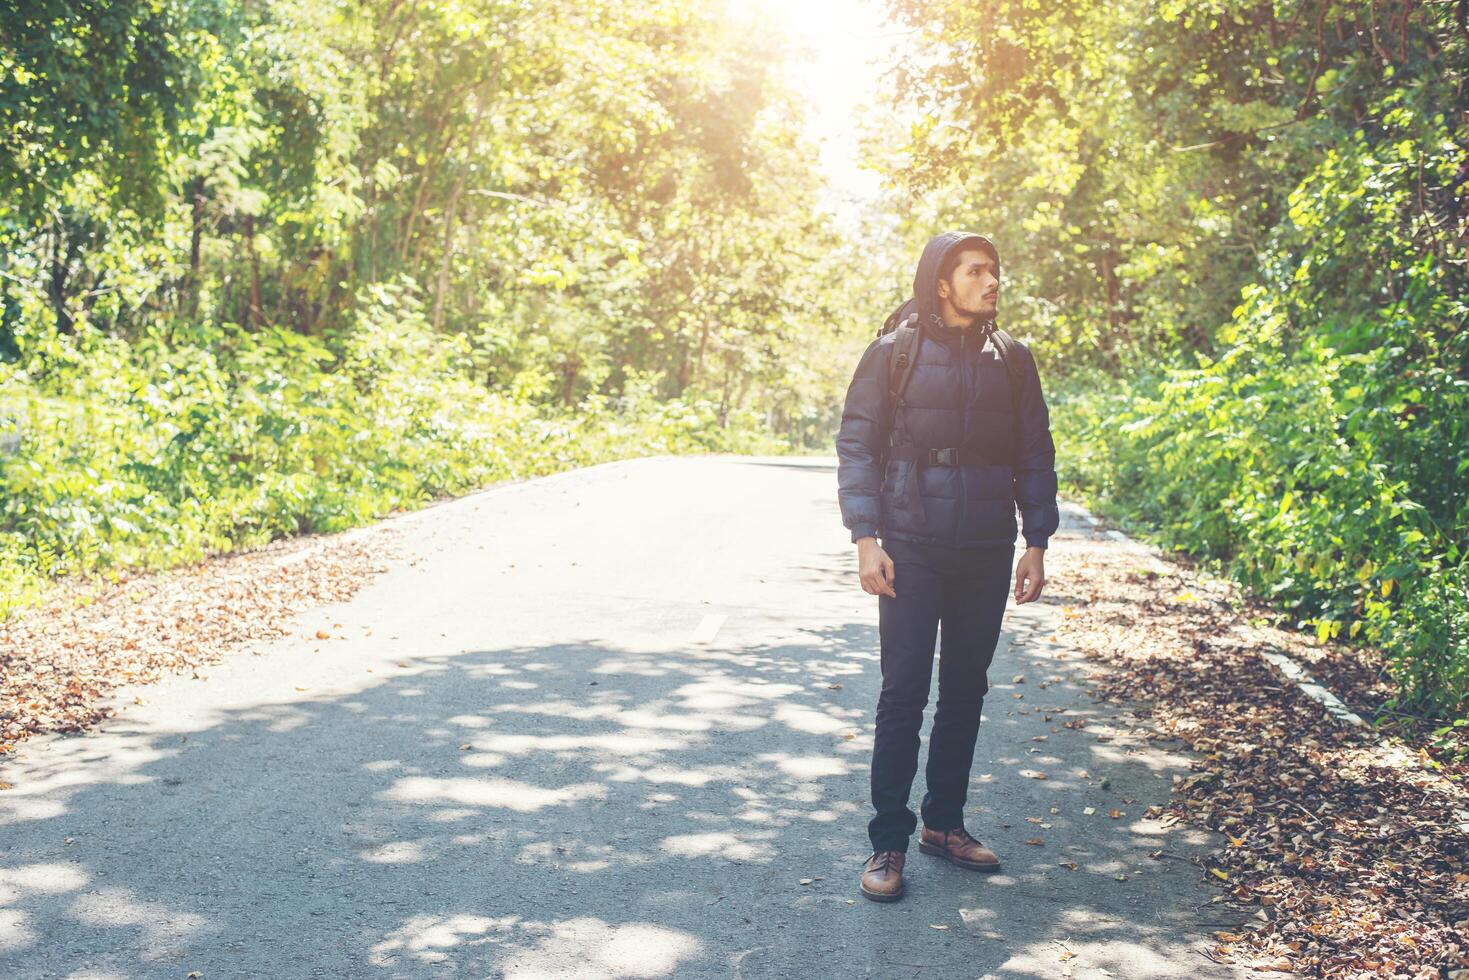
(599, 724)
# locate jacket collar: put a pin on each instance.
(942, 332)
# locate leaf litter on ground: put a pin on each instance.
(1355, 867)
(60, 659)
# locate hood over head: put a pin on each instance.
(925, 281)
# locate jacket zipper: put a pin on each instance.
(963, 428)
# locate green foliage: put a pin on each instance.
(278, 267)
(588, 189)
(1234, 231)
(167, 449)
(1324, 455)
(94, 86)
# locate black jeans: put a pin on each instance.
(965, 589)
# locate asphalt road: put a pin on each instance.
(615, 722)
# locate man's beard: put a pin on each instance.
(985, 313)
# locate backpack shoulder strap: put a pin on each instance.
(1005, 345)
(905, 355)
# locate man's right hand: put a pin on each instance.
(875, 568)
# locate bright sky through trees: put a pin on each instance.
(844, 47)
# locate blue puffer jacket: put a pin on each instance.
(958, 396)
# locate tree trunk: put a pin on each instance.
(1108, 269)
(196, 234)
(425, 179)
(710, 262)
(60, 272)
(450, 213)
(252, 315)
(703, 344)
(373, 218)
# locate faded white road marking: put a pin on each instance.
(1295, 673)
(707, 628)
(1389, 753)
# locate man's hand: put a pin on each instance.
(875, 568)
(1030, 575)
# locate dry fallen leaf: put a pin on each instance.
(1036, 841)
(68, 654)
(1312, 811)
(1032, 774)
(939, 928)
(323, 635)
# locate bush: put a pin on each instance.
(1323, 457)
(198, 439)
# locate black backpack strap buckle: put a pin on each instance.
(943, 457)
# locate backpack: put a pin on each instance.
(904, 320)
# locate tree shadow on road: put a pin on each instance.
(573, 809)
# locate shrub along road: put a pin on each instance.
(617, 722)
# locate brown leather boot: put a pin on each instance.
(958, 848)
(882, 877)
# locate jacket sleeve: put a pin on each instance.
(1035, 460)
(860, 441)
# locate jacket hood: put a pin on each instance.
(925, 281)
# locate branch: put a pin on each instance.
(1320, 61)
(507, 196)
(1234, 136)
(1376, 45)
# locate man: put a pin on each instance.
(961, 450)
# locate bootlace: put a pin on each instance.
(884, 863)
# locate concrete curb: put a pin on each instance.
(1387, 753)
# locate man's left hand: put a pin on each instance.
(1030, 575)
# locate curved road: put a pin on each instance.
(610, 723)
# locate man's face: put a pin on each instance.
(974, 291)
